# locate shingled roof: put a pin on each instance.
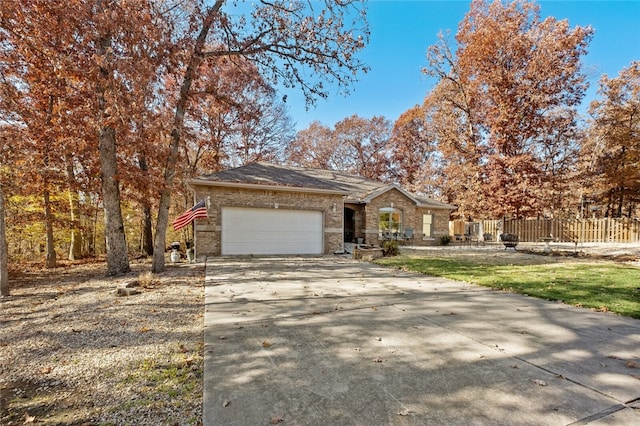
(355, 188)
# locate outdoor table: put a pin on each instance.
(547, 240)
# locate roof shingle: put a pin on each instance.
(357, 188)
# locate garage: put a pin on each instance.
(271, 231)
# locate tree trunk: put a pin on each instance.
(48, 216)
(147, 226)
(176, 136)
(117, 254)
(48, 223)
(75, 243)
(147, 232)
(4, 257)
(75, 239)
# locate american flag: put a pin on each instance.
(199, 210)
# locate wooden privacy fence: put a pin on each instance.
(622, 230)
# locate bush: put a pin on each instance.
(390, 248)
(445, 240)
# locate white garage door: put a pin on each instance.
(271, 231)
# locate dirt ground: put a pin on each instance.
(73, 352)
(533, 253)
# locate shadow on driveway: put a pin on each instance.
(332, 341)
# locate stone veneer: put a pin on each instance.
(209, 231)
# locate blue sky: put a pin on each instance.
(401, 32)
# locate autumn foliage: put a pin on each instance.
(107, 108)
(610, 154)
(500, 134)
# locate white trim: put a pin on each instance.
(380, 191)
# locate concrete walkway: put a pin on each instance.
(331, 341)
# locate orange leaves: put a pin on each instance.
(611, 156)
(355, 145)
(504, 110)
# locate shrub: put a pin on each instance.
(445, 240)
(390, 248)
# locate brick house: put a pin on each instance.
(265, 209)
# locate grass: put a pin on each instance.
(600, 286)
(178, 376)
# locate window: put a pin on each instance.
(389, 222)
(427, 225)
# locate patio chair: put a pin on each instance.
(408, 234)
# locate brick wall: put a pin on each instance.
(411, 217)
(209, 231)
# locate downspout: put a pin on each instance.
(342, 216)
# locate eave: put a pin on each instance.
(257, 186)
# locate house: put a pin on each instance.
(267, 209)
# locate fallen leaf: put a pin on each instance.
(28, 419)
(539, 382)
(278, 418)
(633, 364)
(266, 344)
(46, 370)
(144, 329)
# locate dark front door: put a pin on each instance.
(349, 225)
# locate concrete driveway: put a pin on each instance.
(331, 341)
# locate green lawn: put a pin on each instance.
(602, 286)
